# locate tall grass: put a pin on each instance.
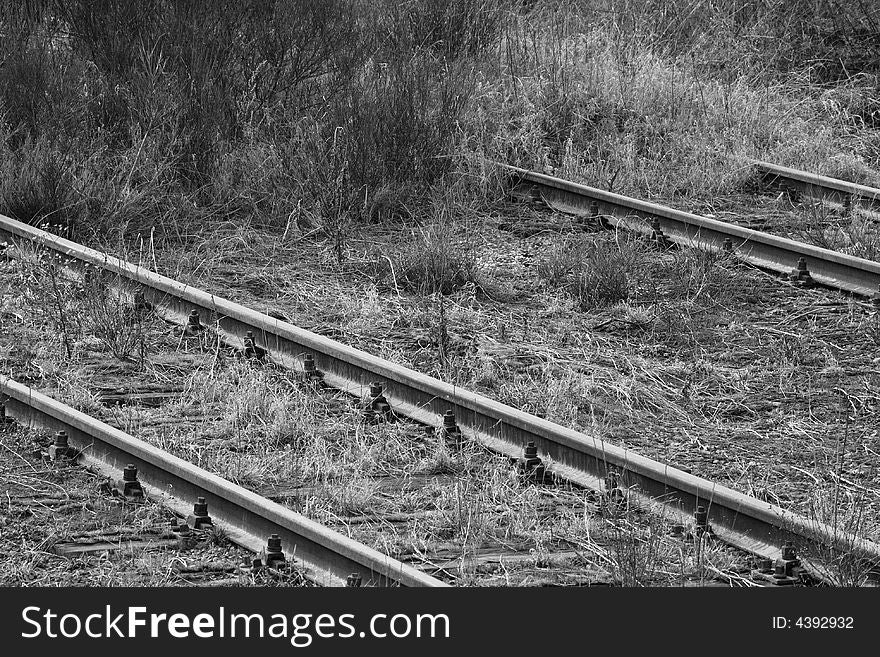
(169, 117)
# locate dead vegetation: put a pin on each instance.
(62, 526)
(346, 184)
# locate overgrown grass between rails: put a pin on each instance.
(595, 271)
(836, 510)
(93, 305)
(832, 227)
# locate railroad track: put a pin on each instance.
(414, 495)
(65, 523)
(816, 186)
(262, 526)
(745, 522)
(796, 260)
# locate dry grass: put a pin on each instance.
(368, 212)
(595, 272)
(46, 505)
(381, 109)
(260, 427)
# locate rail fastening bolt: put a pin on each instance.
(251, 350)
(378, 402)
(140, 301)
(727, 245)
(657, 233)
(310, 370)
(450, 430)
(531, 464)
(193, 323)
(612, 486)
(449, 424)
(129, 486)
(60, 448)
(612, 483)
(876, 298)
(273, 550)
(801, 273)
(783, 573)
(612, 479)
(199, 517)
(354, 580)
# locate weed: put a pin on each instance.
(836, 511)
(435, 265)
(111, 316)
(595, 272)
(635, 549)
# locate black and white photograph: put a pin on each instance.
(568, 308)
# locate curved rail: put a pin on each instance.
(746, 522)
(325, 556)
(771, 252)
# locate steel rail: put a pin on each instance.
(746, 522)
(779, 254)
(326, 557)
(817, 186)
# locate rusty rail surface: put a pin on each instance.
(743, 521)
